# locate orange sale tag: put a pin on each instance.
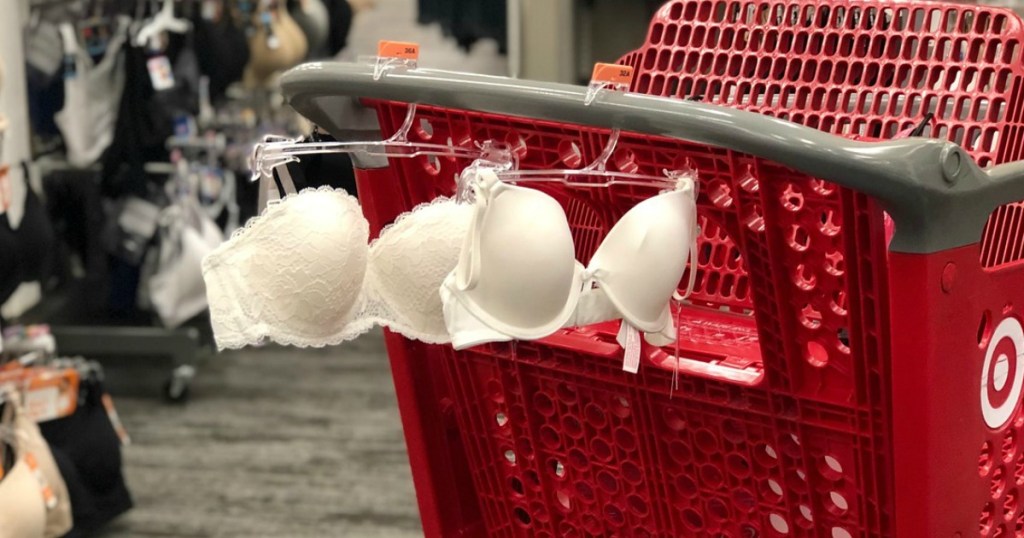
(612, 74)
(398, 49)
(52, 395)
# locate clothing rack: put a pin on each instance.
(182, 346)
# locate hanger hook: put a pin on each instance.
(402, 134)
(272, 152)
(601, 161)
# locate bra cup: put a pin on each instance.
(294, 275)
(408, 263)
(528, 269)
(324, 241)
(658, 231)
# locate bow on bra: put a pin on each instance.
(518, 278)
(302, 273)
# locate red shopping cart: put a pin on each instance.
(830, 383)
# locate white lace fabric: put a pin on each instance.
(302, 274)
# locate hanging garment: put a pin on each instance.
(22, 507)
(43, 54)
(146, 117)
(222, 51)
(340, 16)
(58, 513)
(314, 20)
(87, 450)
(172, 273)
(28, 249)
(92, 96)
(518, 277)
(274, 47)
(302, 274)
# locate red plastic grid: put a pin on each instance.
(812, 266)
(854, 68)
(815, 358)
(560, 435)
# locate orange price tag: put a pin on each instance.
(398, 49)
(52, 395)
(612, 74)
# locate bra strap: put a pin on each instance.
(693, 251)
(280, 180)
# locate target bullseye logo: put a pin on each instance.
(1002, 375)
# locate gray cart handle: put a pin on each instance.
(937, 195)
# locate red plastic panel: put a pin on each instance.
(774, 303)
(783, 420)
(855, 68)
(575, 447)
(847, 67)
(955, 470)
(1003, 242)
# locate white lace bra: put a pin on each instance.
(302, 273)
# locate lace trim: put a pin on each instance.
(402, 218)
(273, 207)
(370, 311)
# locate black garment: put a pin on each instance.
(26, 254)
(468, 20)
(45, 100)
(76, 209)
(146, 118)
(222, 51)
(340, 13)
(328, 169)
(88, 453)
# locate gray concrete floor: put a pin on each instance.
(273, 442)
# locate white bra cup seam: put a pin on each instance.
(649, 326)
(532, 333)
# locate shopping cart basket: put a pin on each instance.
(831, 383)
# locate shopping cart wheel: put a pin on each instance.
(176, 389)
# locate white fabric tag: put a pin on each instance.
(42, 404)
(629, 339)
(210, 11)
(160, 73)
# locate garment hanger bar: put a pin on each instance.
(596, 173)
(276, 151)
(937, 195)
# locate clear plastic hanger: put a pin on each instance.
(163, 21)
(670, 180)
(275, 151)
(594, 175)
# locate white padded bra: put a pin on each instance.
(518, 278)
(302, 273)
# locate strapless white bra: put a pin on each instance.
(518, 278)
(302, 273)
(499, 269)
